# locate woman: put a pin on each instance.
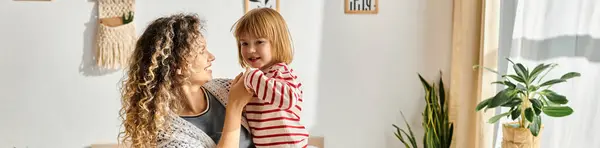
(169, 99)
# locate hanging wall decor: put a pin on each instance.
(116, 33)
(361, 6)
(253, 4)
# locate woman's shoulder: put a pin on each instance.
(219, 88)
(219, 82)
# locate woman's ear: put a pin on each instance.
(178, 71)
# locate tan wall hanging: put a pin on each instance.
(361, 6)
(116, 35)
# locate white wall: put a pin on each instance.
(52, 97)
(369, 65)
(49, 101)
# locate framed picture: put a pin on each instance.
(361, 6)
(253, 4)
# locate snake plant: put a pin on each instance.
(527, 98)
(436, 123)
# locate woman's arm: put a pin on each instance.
(238, 98)
(230, 137)
(231, 130)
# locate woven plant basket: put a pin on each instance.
(515, 137)
(114, 43)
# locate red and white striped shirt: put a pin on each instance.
(274, 118)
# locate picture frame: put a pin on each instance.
(253, 4)
(361, 6)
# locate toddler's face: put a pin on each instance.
(256, 52)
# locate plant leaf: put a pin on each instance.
(551, 66)
(450, 134)
(501, 98)
(537, 106)
(521, 87)
(552, 82)
(554, 97)
(521, 71)
(536, 71)
(489, 69)
(498, 82)
(442, 94)
(483, 104)
(510, 84)
(533, 88)
(534, 127)
(507, 83)
(515, 113)
(516, 78)
(495, 119)
(410, 138)
(548, 102)
(424, 82)
(513, 102)
(435, 117)
(412, 135)
(537, 111)
(529, 114)
(570, 75)
(508, 59)
(557, 111)
(400, 137)
(536, 103)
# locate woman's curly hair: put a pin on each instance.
(158, 66)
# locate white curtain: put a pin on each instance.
(566, 32)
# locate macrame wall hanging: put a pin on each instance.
(116, 33)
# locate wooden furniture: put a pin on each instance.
(316, 141)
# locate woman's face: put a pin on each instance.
(201, 61)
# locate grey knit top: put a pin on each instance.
(180, 133)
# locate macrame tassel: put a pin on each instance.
(115, 44)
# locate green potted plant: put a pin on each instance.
(527, 97)
(436, 123)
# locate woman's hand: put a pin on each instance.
(238, 94)
(238, 98)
